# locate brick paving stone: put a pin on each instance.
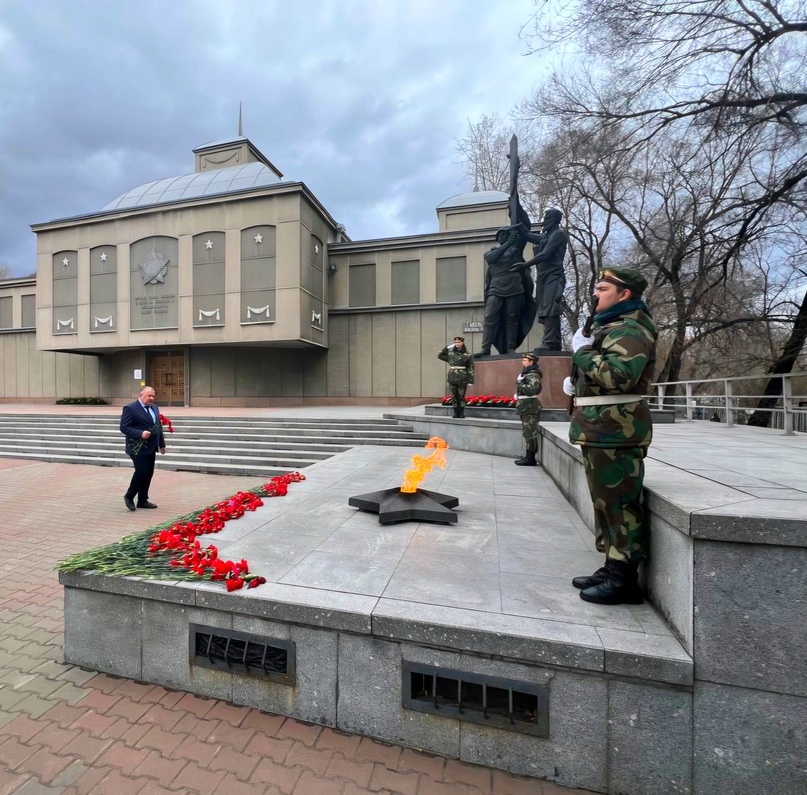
(314, 759)
(429, 787)
(126, 708)
(357, 772)
(270, 747)
(194, 704)
(196, 750)
(301, 732)
(70, 774)
(231, 761)
(280, 776)
(136, 691)
(55, 737)
(98, 701)
(309, 784)
(164, 770)
(420, 762)
(229, 713)
(370, 750)
(231, 735)
(94, 723)
(24, 728)
(340, 742)
(161, 741)
(122, 757)
(114, 783)
(199, 780)
(14, 753)
(263, 722)
(164, 718)
(45, 765)
(475, 775)
(9, 782)
(33, 705)
(86, 747)
(191, 725)
(383, 778)
(232, 786)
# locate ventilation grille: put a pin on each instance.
(502, 703)
(241, 653)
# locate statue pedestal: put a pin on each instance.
(496, 375)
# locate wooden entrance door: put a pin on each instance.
(168, 378)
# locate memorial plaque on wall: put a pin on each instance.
(154, 283)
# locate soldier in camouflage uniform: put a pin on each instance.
(612, 424)
(528, 387)
(460, 373)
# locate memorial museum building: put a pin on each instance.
(233, 286)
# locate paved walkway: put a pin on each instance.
(65, 730)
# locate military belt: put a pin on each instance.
(458, 367)
(606, 400)
(527, 397)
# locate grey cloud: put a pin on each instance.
(362, 101)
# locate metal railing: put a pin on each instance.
(721, 404)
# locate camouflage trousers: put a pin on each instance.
(530, 424)
(615, 476)
(458, 394)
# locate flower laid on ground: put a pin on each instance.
(172, 551)
(502, 401)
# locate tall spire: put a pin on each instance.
(240, 123)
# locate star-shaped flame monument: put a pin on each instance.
(409, 503)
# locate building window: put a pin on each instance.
(6, 312)
(313, 265)
(406, 282)
(258, 274)
(29, 311)
(451, 279)
(208, 279)
(361, 285)
(103, 289)
(65, 292)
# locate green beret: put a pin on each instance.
(625, 278)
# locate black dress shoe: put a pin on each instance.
(129, 503)
(146, 504)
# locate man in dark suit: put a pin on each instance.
(140, 424)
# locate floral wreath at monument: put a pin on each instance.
(172, 551)
(483, 400)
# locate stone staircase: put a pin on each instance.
(258, 446)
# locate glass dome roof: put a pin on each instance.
(194, 186)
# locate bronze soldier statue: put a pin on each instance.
(509, 305)
(549, 249)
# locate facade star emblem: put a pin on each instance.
(103, 257)
(65, 262)
(209, 244)
(259, 238)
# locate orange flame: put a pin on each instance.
(424, 464)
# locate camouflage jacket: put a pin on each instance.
(461, 366)
(619, 362)
(528, 388)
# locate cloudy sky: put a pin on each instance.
(363, 100)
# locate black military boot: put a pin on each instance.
(461, 413)
(527, 461)
(456, 412)
(619, 588)
(601, 575)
